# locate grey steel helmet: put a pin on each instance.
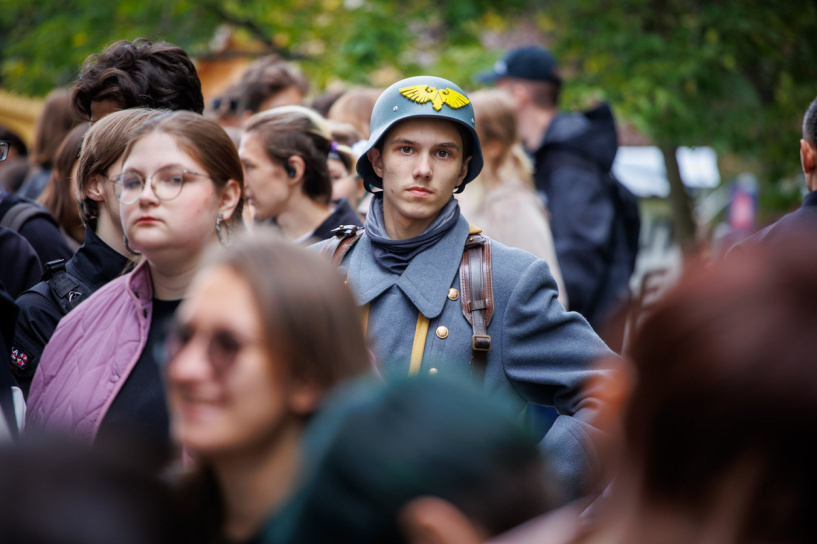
(421, 96)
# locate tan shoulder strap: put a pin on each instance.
(477, 298)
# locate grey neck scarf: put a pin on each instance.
(395, 255)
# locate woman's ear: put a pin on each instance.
(230, 194)
(95, 189)
(295, 168)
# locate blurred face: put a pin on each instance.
(179, 227)
(421, 162)
(224, 392)
(267, 185)
(344, 185)
(290, 96)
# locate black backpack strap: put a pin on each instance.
(477, 298)
(68, 290)
(344, 237)
(18, 214)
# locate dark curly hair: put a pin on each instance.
(139, 74)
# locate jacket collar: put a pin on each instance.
(810, 199)
(98, 262)
(425, 281)
(140, 284)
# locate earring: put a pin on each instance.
(127, 245)
(224, 240)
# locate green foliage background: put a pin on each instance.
(736, 75)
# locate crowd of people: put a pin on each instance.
(383, 315)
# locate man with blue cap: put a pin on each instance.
(594, 219)
(440, 299)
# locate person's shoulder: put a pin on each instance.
(508, 262)
(37, 299)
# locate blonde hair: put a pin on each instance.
(355, 107)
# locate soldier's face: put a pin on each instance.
(421, 163)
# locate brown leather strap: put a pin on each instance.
(339, 245)
(477, 299)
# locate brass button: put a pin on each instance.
(442, 332)
(432, 371)
(453, 294)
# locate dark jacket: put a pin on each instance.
(21, 267)
(94, 265)
(798, 223)
(571, 170)
(342, 215)
(41, 231)
(12, 406)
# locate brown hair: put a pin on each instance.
(139, 74)
(497, 121)
(311, 322)
(206, 142)
(57, 196)
(297, 130)
(265, 78)
(53, 124)
(104, 144)
(312, 331)
(726, 375)
(343, 133)
(355, 107)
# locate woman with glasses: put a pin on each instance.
(180, 191)
(100, 259)
(250, 357)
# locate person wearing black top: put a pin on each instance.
(285, 153)
(104, 255)
(42, 307)
(40, 229)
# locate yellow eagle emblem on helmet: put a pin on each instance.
(425, 93)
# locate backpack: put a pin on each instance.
(627, 220)
(627, 216)
(20, 212)
(68, 290)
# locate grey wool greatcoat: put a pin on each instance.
(539, 352)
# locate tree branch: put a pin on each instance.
(253, 28)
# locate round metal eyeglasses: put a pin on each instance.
(166, 183)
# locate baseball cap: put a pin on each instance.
(533, 62)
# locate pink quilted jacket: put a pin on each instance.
(89, 357)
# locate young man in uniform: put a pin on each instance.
(442, 300)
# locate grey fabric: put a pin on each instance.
(395, 255)
(540, 353)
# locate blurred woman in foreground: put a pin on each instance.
(250, 358)
(724, 403)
